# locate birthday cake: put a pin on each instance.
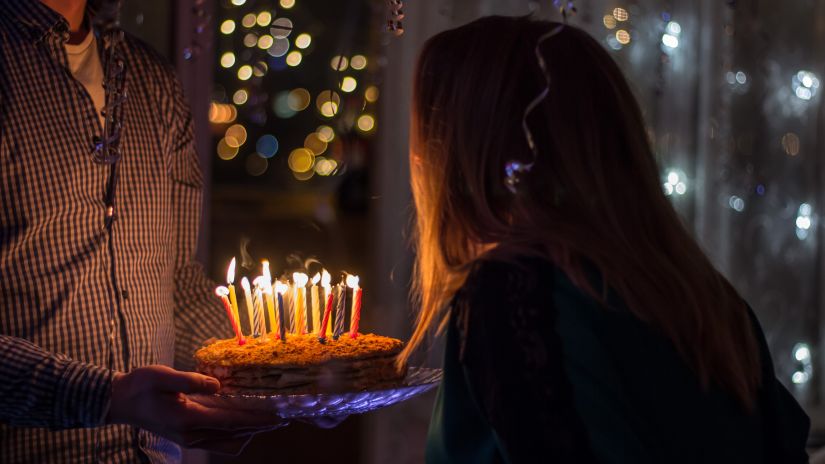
(302, 364)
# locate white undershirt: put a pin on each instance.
(84, 63)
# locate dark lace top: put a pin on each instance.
(537, 371)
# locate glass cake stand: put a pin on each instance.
(417, 381)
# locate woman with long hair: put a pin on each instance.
(584, 323)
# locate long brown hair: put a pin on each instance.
(593, 198)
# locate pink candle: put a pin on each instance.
(223, 294)
(322, 335)
(355, 316)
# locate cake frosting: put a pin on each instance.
(302, 364)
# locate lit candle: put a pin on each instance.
(250, 306)
(280, 288)
(316, 305)
(233, 299)
(259, 312)
(299, 281)
(266, 281)
(339, 311)
(355, 318)
(223, 294)
(325, 284)
(322, 334)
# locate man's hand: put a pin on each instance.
(155, 398)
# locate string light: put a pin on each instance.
(339, 63)
(238, 2)
(620, 14)
(265, 41)
(301, 160)
(802, 356)
(371, 94)
(245, 72)
(240, 96)
(287, 4)
(235, 135)
(365, 123)
(228, 60)
(804, 221)
(805, 85)
(294, 58)
(264, 18)
(675, 183)
(313, 143)
(623, 37)
(736, 203)
(303, 40)
(250, 40)
(225, 151)
(358, 62)
(348, 84)
(248, 20)
(298, 99)
(228, 27)
(325, 133)
(609, 21)
(267, 146)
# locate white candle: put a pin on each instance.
(247, 293)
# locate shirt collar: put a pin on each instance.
(36, 19)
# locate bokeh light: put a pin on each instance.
(264, 18)
(805, 84)
(303, 40)
(228, 60)
(237, 133)
(313, 143)
(250, 40)
(339, 63)
(240, 96)
(623, 36)
(281, 28)
(280, 105)
(301, 160)
(244, 72)
(298, 99)
(238, 2)
(267, 146)
(325, 166)
(225, 151)
(287, 4)
(228, 27)
(248, 20)
(325, 133)
(371, 94)
(348, 84)
(303, 176)
(609, 21)
(366, 123)
(294, 58)
(222, 113)
(358, 62)
(265, 41)
(328, 102)
(256, 165)
(620, 14)
(790, 143)
(279, 47)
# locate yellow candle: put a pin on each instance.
(299, 280)
(233, 299)
(266, 285)
(316, 306)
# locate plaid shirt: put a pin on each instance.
(78, 300)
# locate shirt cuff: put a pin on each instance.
(83, 395)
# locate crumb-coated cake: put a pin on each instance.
(302, 364)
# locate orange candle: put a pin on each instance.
(355, 319)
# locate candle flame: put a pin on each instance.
(245, 283)
(325, 279)
(316, 278)
(300, 279)
(266, 274)
(221, 291)
(230, 272)
(281, 287)
(262, 283)
(352, 281)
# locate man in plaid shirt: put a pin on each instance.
(93, 311)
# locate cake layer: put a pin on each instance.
(302, 364)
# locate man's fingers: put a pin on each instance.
(184, 382)
(229, 419)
